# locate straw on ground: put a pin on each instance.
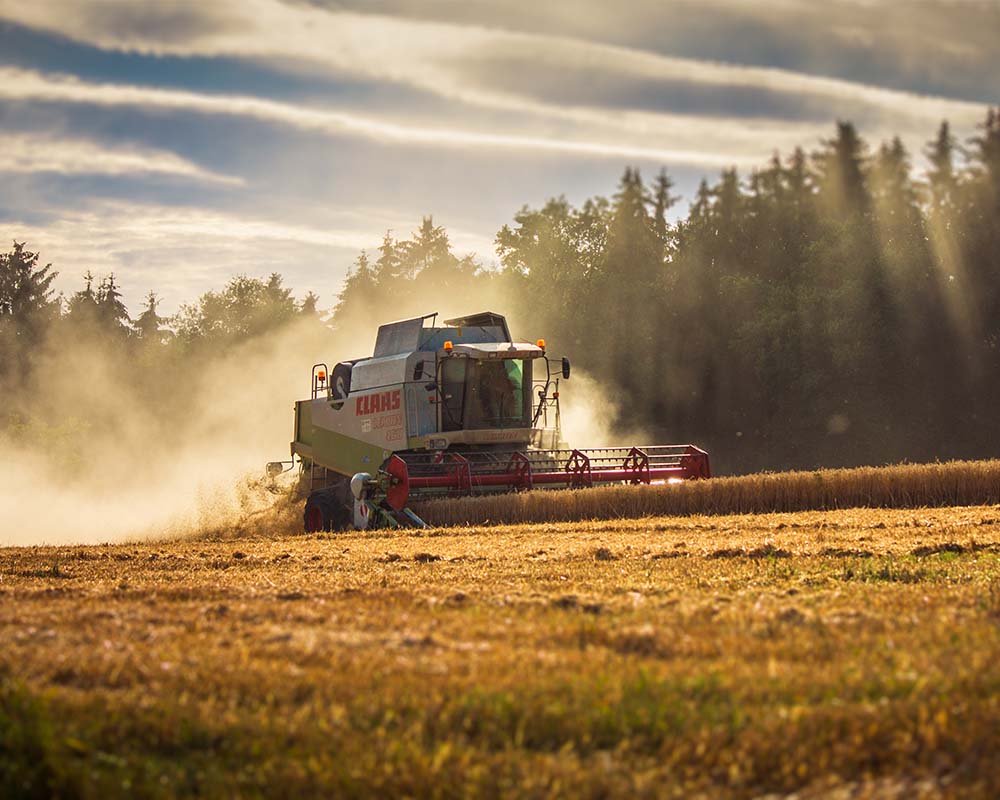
(730, 656)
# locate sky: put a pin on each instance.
(177, 143)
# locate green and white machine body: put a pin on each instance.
(449, 410)
(426, 388)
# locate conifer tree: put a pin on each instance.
(26, 301)
(986, 154)
(663, 201)
(358, 298)
(27, 308)
(82, 309)
(941, 176)
(309, 307)
(388, 264)
(148, 325)
(945, 233)
(981, 236)
(840, 165)
(630, 275)
(428, 248)
(112, 315)
(898, 218)
(278, 303)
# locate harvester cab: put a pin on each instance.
(449, 410)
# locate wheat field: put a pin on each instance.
(838, 653)
(955, 483)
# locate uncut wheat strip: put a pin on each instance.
(904, 486)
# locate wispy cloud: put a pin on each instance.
(695, 140)
(736, 114)
(454, 61)
(943, 47)
(45, 153)
(182, 252)
(700, 140)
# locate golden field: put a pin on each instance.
(839, 653)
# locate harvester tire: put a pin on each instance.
(326, 511)
(340, 381)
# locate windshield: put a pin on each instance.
(496, 393)
(498, 397)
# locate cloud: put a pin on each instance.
(43, 153)
(182, 252)
(434, 56)
(681, 110)
(695, 140)
(923, 46)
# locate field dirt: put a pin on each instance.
(832, 654)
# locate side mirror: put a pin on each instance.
(565, 369)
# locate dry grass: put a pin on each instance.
(843, 653)
(955, 483)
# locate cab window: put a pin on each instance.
(499, 396)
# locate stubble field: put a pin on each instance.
(839, 653)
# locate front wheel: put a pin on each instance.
(326, 511)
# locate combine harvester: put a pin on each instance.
(449, 411)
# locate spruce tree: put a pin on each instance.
(840, 165)
(941, 177)
(309, 307)
(148, 325)
(112, 315)
(358, 298)
(278, 303)
(429, 247)
(26, 301)
(663, 201)
(82, 310)
(27, 309)
(981, 250)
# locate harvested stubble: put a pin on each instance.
(955, 483)
(832, 654)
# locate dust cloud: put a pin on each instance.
(110, 442)
(124, 456)
(173, 444)
(589, 413)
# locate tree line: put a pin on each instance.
(829, 308)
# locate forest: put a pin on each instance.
(831, 308)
